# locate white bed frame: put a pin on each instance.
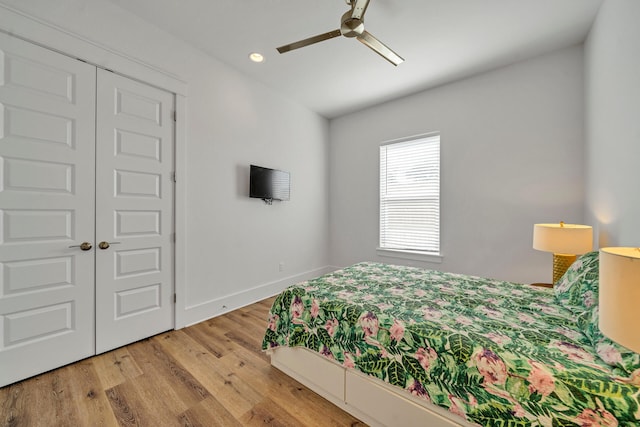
(367, 398)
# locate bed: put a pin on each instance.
(405, 346)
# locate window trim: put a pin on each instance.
(432, 257)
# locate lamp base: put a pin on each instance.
(561, 262)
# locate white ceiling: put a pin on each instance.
(441, 41)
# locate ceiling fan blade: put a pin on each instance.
(310, 40)
(359, 7)
(378, 47)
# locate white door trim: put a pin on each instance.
(180, 213)
(53, 37)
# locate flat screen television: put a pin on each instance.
(268, 184)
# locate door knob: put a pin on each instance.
(85, 246)
(105, 245)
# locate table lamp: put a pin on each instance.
(620, 295)
(565, 241)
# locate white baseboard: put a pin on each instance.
(215, 307)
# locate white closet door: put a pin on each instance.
(134, 211)
(47, 131)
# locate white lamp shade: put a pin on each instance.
(620, 296)
(570, 239)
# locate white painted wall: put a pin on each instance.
(511, 156)
(233, 244)
(612, 87)
(510, 143)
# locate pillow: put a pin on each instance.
(577, 289)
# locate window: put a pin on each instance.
(410, 195)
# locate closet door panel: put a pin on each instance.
(47, 134)
(134, 202)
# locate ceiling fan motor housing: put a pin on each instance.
(351, 27)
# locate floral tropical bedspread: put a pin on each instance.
(495, 353)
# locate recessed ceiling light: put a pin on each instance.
(256, 57)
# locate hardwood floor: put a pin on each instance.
(209, 374)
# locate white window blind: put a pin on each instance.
(410, 195)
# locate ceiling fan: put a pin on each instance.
(351, 25)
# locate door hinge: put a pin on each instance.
(173, 177)
(175, 116)
(175, 298)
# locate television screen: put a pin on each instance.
(268, 184)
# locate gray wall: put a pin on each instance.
(612, 83)
(234, 245)
(511, 156)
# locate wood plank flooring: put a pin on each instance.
(209, 374)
